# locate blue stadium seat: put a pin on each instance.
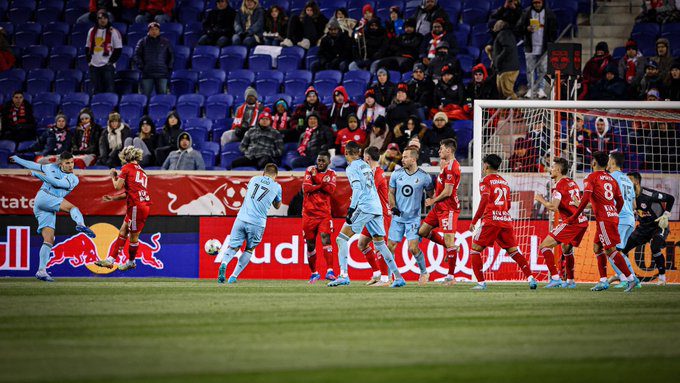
(269, 100)
(198, 136)
(132, 106)
(120, 27)
(160, 105)
(475, 15)
(464, 132)
(172, 32)
(259, 63)
(21, 11)
(301, 74)
(651, 29)
(72, 103)
(183, 81)
(8, 26)
(68, 81)
(219, 127)
(39, 80)
(45, 104)
(54, 34)
(670, 30)
(204, 57)
(333, 75)
(233, 57)
(33, 57)
(230, 152)
(49, 11)
(189, 11)
(287, 63)
(354, 88)
(295, 86)
(189, 105)
(198, 123)
(71, 15)
(461, 37)
(217, 106)
(324, 87)
(242, 74)
(208, 157)
(192, 33)
(182, 54)
(212, 147)
(127, 81)
(7, 145)
(362, 75)
(103, 103)
(62, 57)
(293, 51)
(312, 57)
(211, 82)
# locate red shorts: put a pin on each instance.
(569, 234)
(136, 217)
(387, 220)
(312, 226)
(446, 220)
(486, 235)
(607, 234)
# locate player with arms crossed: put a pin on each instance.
(445, 207)
(627, 214)
(407, 187)
(58, 181)
(318, 187)
(653, 210)
(364, 210)
(133, 178)
(565, 197)
(496, 226)
(263, 191)
(603, 193)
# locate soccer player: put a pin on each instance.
(377, 262)
(133, 178)
(626, 216)
(318, 187)
(407, 187)
(364, 210)
(496, 226)
(603, 193)
(445, 207)
(263, 191)
(58, 182)
(653, 210)
(565, 197)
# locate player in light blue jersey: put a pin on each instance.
(408, 185)
(364, 210)
(58, 182)
(626, 215)
(263, 191)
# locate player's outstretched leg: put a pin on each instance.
(382, 248)
(222, 272)
(343, 253)
(524, 266)
(242, 263)
(77, 217)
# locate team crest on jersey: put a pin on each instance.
(643, 205)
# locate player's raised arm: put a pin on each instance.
(118, 182)
(61, 183)
(550, 205)
(30, 165)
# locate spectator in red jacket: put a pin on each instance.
(159, 11)
(593, 72)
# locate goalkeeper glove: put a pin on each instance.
(663, 220)
(396, 211)
(350, 213)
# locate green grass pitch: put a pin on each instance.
(99, 330)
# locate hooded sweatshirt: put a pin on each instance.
(605, 141)
(188, 159)
(337, 117)
(486, 90)
(666, 61)
(303, 111)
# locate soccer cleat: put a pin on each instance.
(533, 284)
(222, 273)
(613, 279)
(622, 285)
(600, 286)
(398, 283)
(444, 280)
(107, 263)
(638, 282)
(423, 279)
(86, 230)
(330, 275)
(661, 282)
(373, 281)
(554, 284)
(44, 276)
(231, 280)
(339, 281)
(479, 286)
(129, 265)
(568, 285)
(631, 285)
(315, 277)
(380, 284)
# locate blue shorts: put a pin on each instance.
(242, 231)
(408, 229)
(373, 222)
(45, 210)
(625, 230)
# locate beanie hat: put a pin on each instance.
(602, 46)
(402, 87)
(382, 71)
(154, 24)
(631, 44)
(369, 93)
(419, 66)
(441, 115)
(410, 22)
(651, 64)
(447, 69)
(266, 113)
(367, 8)
(334, 24)
(146, 120)
(250, 91)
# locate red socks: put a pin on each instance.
(602, 264)
(451, 254)
(549, 258)
(436, 239)
(311, 260)
(522, 263)
(328, 256)
(132, 250)
(569, 260)
(618, 260)
(118, 247)
(476, 259)
(370, 258)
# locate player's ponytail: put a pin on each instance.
(129, 154)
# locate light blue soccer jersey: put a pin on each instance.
(627, 215)
(56, 182)
(262, 191)
(364, 194)
(408, 192)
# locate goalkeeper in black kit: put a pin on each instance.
(653, 210)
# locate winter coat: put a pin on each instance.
(376, 43)
(219, 22)
(384, 93)
(486, 90)
(154, 57)
(400, 112)
(256, 23)
(92, 142)
(57, 141)
(451, 93)
(321, 140)
(339, 113)
(109, 156)
(433, 137)
(306, 27)
(421, 92)
(616, 89)
(425, 18)
(258, 143)
(549, 29)
(626, 65)
(302, 111)
(188, 159)
(594, 71)
(438, 62)
(156, 7)
(406, 45)
(169, 134)
(505, 57)
(334, 50)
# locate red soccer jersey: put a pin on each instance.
(135, 184)
(345, 135)
(568, 194)
(450, 174)
(318, 188)
(497, 191)
(383, 191)
(605, 191)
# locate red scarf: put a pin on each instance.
(434, 43)
(305, 141)
(85, 141)
(107, 40)
(631, 70)
(280, 121)
(238, 120)
(19, 113)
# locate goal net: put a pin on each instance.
(528, 135)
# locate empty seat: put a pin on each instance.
(62, 57)
(183, 81)
(72, 103)
(68, 81)
(39, 80)
(211, 82)
(189, 105)
(103, 103)
(333, 75)
(127, 81)
(204, 57)
(132, 106)
(217, 106)
(259, 62)
(160, 105)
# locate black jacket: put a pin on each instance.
(421, 92)
(447, 94)
(321, 140)
(108, 156)
(399, 113)
(406, 45)
(549, 31)
(433, 137)
(219, 22)
(384, 93)
(333, 50)
(505, 57)
(154, 57)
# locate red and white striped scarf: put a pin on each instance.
(434, 43)
(85, 140)
(305, 141)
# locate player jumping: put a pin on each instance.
(653, 210)
(263, 191)
(603, 193)
(133, 178)
(318, 188)
(407, 187)
(364, 210)
(445, 207)
(58, 182)
(565, 197)
(496, 226)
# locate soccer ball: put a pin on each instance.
(212, 246)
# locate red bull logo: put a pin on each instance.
(14, 254)
(81, 250)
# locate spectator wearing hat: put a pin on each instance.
(113, 9)
(401, 107)
(335, 49)
(159, 11)
(391, 159)
(59, 140)
(403, 49)
(218, 25)
(438, 38)
(441, 129)
(405, 131)
(312, 104)
(421, 89)
(482, 87)
(652, 95)
(154, 57)
(663, 57)
(18, 122)
(104, 47)
(112, 140)
(249, 24)
(316, 138)
(444, 58)
(341, 109)
(185, 157)
(651, 80)
(146, 141)
(245, 117)
(611, 87)
(383, 87)
(427, 13)
(505, 60)
(260, 145)
(632, 64)
(673, 82)
(449, 96)
(395, 24)
(167, 139)
(281, 118)
(275, 25)
(594, 69)
(538, 27)
(376, 44)
(346, 23)
(350, 133)
(306, 29)
(368, 15)
(369, 110)
(379, 135)
(85, 146)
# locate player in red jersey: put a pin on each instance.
(380, 274)
(565, 198)
(133, 178)
(318, 187)
(604, 195)
(496, 226)
(445, 207)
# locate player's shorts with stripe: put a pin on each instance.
(446, 220)
(368, 224)
(312, 226)
(569, 234)
(625, 231)
(486, 235)
(408, 229)
(136, 216)
(607, 234)
(45, 209)
(243, 231)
